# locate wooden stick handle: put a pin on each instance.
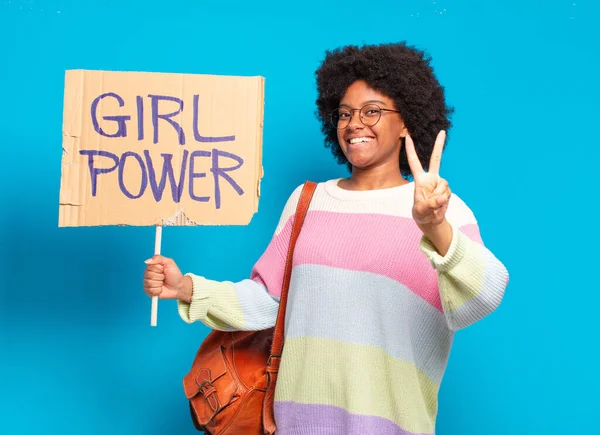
(157, 242)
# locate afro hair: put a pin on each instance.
(401, 72)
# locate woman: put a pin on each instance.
(385, 269)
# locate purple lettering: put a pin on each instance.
(94, 172)
(219, 171)
(167, 171)
(194, 174)
(140, 116)
(158, 183)
(167, 117)
(144, 182)
(198, 136)
(121, 119)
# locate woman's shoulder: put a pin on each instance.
(459, 212)
(297, 191)
(290, 205)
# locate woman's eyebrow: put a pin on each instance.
(366, 102)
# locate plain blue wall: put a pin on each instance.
(77, 353)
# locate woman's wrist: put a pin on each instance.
(185, 290)
(440, 235)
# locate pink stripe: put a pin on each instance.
(381, 244)
(472, 232)
(269, 269)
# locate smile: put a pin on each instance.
(356, 140)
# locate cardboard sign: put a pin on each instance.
(160, 149)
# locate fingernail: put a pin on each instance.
(148, 260)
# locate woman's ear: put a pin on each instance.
(404, 132)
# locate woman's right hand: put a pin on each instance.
(163, 278)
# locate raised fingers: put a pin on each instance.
(413, 158)
(436, 156)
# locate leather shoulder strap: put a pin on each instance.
(268, 417)
(302, 208)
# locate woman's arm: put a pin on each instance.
(471, 279)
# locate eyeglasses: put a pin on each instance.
(369, 115)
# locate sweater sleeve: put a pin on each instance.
(250, 304)
(471, 279)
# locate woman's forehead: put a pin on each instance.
(360, 93)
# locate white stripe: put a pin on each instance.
(396, 202)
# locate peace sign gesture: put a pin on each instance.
(431, 191)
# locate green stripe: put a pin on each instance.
(361, 379)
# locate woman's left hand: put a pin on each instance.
(432, 193)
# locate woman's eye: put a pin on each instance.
(372, 112)
(344, 115)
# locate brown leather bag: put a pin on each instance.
(231, 385)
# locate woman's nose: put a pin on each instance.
(355, 122)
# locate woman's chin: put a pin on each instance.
(360, 161)
(360, 165)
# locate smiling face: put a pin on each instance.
(371, 147)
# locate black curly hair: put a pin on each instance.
(401, 72)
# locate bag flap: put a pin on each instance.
(210, 385)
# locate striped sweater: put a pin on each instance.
(372, 310)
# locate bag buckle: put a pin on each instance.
(208, 390)
(273, 363)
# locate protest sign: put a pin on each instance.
(160, 149)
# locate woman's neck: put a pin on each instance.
(373, 179)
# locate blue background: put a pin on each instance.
(78, 355)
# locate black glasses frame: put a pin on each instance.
(334, 122)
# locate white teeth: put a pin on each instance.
(360, 140)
